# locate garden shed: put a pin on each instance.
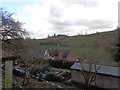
(106, 77)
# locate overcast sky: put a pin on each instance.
(70, 17)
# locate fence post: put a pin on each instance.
(8, 73)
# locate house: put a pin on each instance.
(56, 54)
(47, 55)
(39, 53)
(60, 54)
(106, 77)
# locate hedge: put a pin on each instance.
(10, 58)
(65, 64)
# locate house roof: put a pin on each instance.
(65, 52)
(18, 68)
(108, 70)
(37, 53)
(55, 52)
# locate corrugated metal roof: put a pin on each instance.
(108, 70)
(18, 68)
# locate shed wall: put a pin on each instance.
(104, 81)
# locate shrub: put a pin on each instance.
(40, 75)
(35, 70)
(67, 82)
(10, 58)
(117, 56)
(52, 77)
(65, 64)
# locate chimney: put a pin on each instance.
(60, 54)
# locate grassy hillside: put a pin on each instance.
(93, 40)
(99, 47)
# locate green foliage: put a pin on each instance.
(40, 75)
(60, 69)
(67, 64)
(52, 77)
(24, 82)
(67, 82)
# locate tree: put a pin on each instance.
(10, 28)
(117, 54)
(28, 51)
(11, 31)
(89, 72)
(89, 68)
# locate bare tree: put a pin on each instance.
(89, 72)
(11, 32)
(89, 68)
(10, 28)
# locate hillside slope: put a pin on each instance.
(99, 47)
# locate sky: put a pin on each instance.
(70, 17)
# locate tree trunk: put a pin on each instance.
(0, 77)
(0, 64)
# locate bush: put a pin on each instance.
(35, 70)
(40, 75)
(117, 56)
(67, 82)
(10, 58)
(65, 64)
(52, 77)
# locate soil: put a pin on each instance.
(33, 83)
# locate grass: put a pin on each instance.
(53, 47)
(101, 39)
(59, 69)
